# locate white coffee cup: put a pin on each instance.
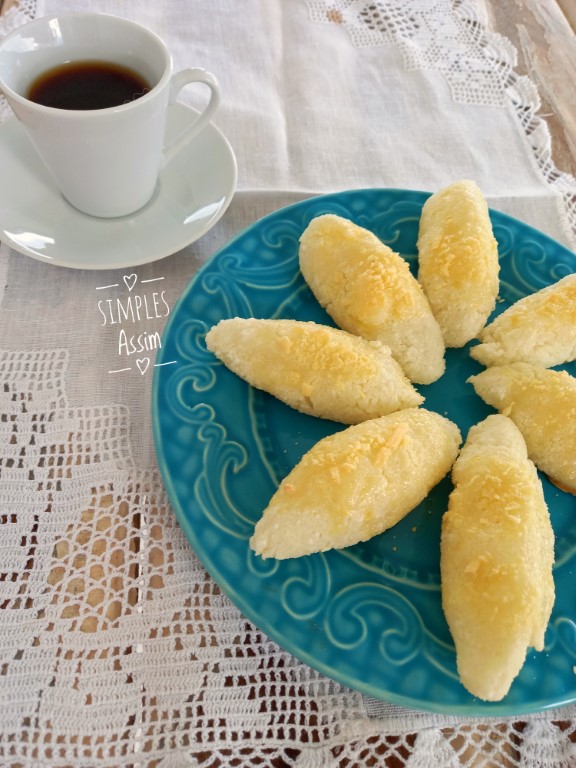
(105, 162)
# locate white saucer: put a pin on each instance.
(193, 192)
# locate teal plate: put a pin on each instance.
(369, 616)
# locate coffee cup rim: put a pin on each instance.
(79, 113)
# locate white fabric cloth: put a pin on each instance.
(317, 105)
(113, 652)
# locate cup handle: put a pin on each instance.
(178, 81)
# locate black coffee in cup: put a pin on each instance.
(87, 85)
(104, 155)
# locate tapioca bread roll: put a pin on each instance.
(316, 369)
(542, 404)
(538, 329)
(369, 290)
(496, 556)
(458, 261)
(356, 483)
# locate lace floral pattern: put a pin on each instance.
(114, 641)
(449, 36)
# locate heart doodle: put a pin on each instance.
(143, 364)
(130, 281)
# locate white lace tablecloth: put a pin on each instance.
(116, 648)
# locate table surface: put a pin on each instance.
(544, 34)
